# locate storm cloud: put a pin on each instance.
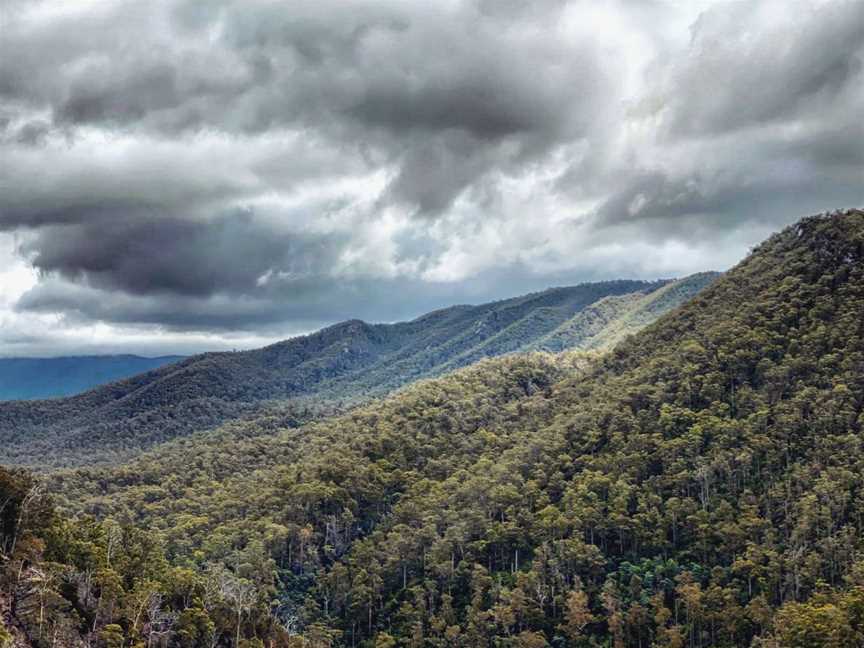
(247, 170)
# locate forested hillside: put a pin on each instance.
(29, 378)
(608, 321)
(301, 377)
(75, 583)
(698, 486)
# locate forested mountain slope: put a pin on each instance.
(82, 583)
(698, 486)
(608, 321)
(29, 378)
(347, 362)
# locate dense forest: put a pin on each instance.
(300, 378)
(699, 486)
(82, 583)
(31, 378)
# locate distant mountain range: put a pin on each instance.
(29, 378)
(345, 363)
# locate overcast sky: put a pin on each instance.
(183, 175)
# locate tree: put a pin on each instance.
(195, 628)
(239, 593)
(829, 620)
(577, 614)
(614, 614)
(529, 639)
(385, 640)
(111, 636)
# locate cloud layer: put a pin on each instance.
(198, 175)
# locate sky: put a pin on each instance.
(179, 176)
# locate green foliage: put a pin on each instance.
(111, 636)
(827, 620)
(68, 583)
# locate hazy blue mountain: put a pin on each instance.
(29, 378)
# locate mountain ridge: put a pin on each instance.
(340, 364)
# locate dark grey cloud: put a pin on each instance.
(141, 254)
(385, 75)
(835, 147)
(757, 123)
(260, 166)
(307, 303)
(31, 133)
(658, 207)
(438, 169)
